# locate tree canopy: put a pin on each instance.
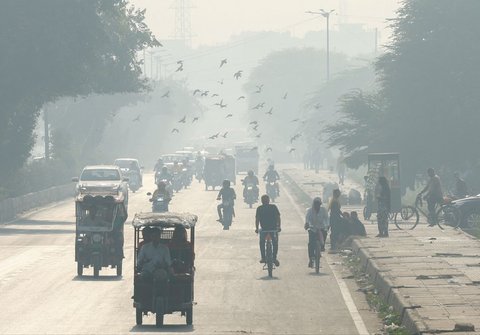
(56, 48)
(426, 106)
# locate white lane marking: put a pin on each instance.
(347, 297)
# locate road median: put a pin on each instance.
(430, 277)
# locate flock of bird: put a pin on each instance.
(222, 105)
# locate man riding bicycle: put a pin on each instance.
(268, 218)
(316, 222)
(433, 195)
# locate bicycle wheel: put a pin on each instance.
(269, 254)
(318, 249)
(447, 215)
(407, 218)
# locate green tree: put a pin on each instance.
(428, 91)
(55, 48)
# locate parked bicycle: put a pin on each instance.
(443, 214)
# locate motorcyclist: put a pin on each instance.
(158, 165)
(161, 191)
(227, 194)
(165, 175)
(272, 176)
(250, 179)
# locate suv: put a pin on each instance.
(102, 180)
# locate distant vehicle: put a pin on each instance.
(469, 212)
(246, 158)
(214, 172)
(102, 180)
(131, 169)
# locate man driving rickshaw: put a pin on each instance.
(164, 271)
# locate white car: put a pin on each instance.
(102, 180)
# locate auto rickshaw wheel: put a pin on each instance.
(139, 316)
(79, 269)
(189, 315)
(159, 310)
(119, 268)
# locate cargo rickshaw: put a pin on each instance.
(214, 171)
(99, 232)
(175, 292)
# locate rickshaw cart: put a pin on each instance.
(214, 171)
(388, 166)
(180, 286)
(99, 232)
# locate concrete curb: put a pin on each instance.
(12, 207)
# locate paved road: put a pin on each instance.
(40, 292)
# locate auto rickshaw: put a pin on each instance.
(176, 293)
(215, 171)
(99, 233)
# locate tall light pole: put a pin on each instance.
(326, 14)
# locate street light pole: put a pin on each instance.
(326, 14)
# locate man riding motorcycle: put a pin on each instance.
(250, 179)
(227, 194)
(272, 176)
(165, 175)
(162, 192)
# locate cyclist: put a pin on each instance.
(268, 218)
(316, 221)
(433, 195)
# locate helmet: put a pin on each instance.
(164, 169)
(161, 185)
(226, 183)
(250, 173)
(271, 167)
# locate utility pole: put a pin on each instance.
(46, 136)
(376, 41)
(326, 14)
(183, 26)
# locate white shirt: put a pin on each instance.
(317, 220)
(153, 257)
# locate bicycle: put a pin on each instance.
(269, 260)
(318, 248)
(444, 213)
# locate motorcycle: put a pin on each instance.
(159, 203)
(227, 214)
(272, 190)
(186, 178)
(177, 182)
(250, 196)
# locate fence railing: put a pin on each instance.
(10, 208)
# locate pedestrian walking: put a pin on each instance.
(383, 200)
(336, 219)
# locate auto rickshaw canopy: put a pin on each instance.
(165, 220)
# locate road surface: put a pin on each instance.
(41, 293)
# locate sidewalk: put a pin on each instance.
(429, 276)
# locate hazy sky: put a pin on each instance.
(215, 21)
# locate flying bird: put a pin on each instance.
(196, 91)
(183, 120)
(295, 120)
(259, 88)
(241, 97)
(269, 149)
(225, 135)
(195, 119)
(214, 136)
(317, 106)
(255, 128)
(229, 115)
(175, 130)
(136, 119)
(295, 137)
(166, 95)
(291, 150)
(285, 96)
(223, 62)
(204, 94)
(260, 105)
(254, 122)
(214, 95)
(237, 75)
(270, 111)
(220, 104)
(258, 135)
(254, 148)
(220, 82)
(180, 66)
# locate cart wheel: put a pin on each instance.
(79, 269)
(119, 268)
(159, 310)
(190, 315)
(139, 316)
